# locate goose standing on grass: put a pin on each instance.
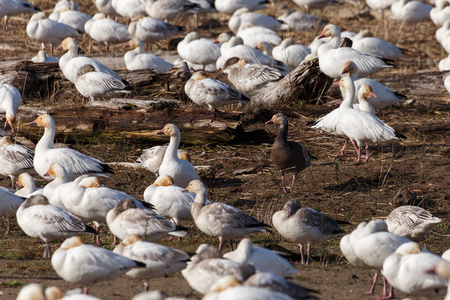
(304, 225)
(42, 57)
(15, 7)
(96, 85)
(361, 127)
(149, 29)
(411, 11)
(211, 92)
(244, 15)
(159, 260)
(332, 58)
(264, 260)
(15, 159)
(412, 222)
(126, 219)
(407, 269)
(10, 100)
(385, 96)
(152, 158)
(70, 62)
(137, 59)
(372, 244)
(38, 218)
(250, 78)
(207, 266)
(47, 31)
(289, 53)
(197, 50)
(180, 170)
(74, 162)
(86, 265)
(287, 156)
(106, 31)
(28, 186)
(169, 200)
(220, 219)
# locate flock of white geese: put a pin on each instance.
(75, 198)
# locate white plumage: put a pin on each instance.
(137, 59)
(197, 50)
(106, 31)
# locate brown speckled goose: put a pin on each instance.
(287, 156)
(220, 219)
(304, 225)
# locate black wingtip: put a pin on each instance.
(140, 264)
(147, 205)
(90, 229)
(388, 61)
(181, 228)
(400, 135)
(107, 169)
(401, 96)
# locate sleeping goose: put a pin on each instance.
(137, 59)
(287, 156)
(220, 219)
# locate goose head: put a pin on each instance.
(131, 239)
(72, 243)
(349, 67)
(366, 92)
(222, 38)
(56, 170)
(25, 179)
(44, 120)
(196, 187)
(68, 44)
(200, 75)
(35, 200)
(292, 206)
(54, 292)
(278, 119)
(408, 249)
(90, 182)
(170, 129)
(135, 43)
(124, 205)
(6, 140)
(330, 31)
(164, 180)
(231, 61)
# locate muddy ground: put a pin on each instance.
(241, 173)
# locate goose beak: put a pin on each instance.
(269, 122)
(161, 131)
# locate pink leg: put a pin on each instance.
(6, 23)
(86, 291)
(284, 184)
(107, 47)
(114, 241)
(309, 254)
(370, 292)
(6, 124)
(293, 181)
(367, 153)
(301, 253)
(342, 151)
(358, 151)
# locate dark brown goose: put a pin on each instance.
(287, 156)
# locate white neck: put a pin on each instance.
(349, 95)
(46, 141)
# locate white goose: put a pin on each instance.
(443, 31)
(126, 219)
(244, 15)
(197, 50)
(372, 244)
(408, 269)
(15, 158)
(74, 18)
(106, 31)
(86, 264)
(297, 21)
(304, 225)
(74, 162)
(47, 31)
(42, 57)
(152, 158)
(159, 260)
(37, 218)
(444, 64)
(105, 6)
(10, 100)
(411, 221)
(264, 260)
(170, 9)
(26, 181)
(211, 92)
(443, 269)
(9, 203)
(207, 266)
(220, 219)
(169, 199)
(252, 35)
(308, 4)
(332, 58)
(411, 11)
(385, 96)
(234, 47)
(149, 29)
(289, 53)
(96, 85)
(230, 6)
(137, 59)
(129, 8)
(15, 7)
(376, 46)
(180, 170)
(70, 62)
(64, 5)
(52, 189)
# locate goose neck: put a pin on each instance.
(46, 141)
(349, 95)
(173, 145)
